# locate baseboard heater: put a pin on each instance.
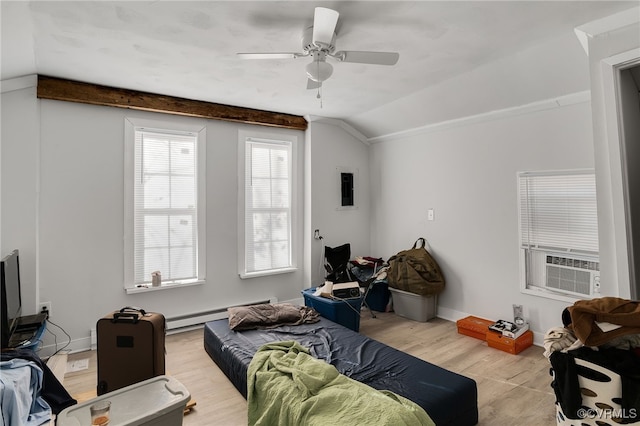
(198, 318)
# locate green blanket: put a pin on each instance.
(287, 386)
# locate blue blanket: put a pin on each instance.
(20, 386)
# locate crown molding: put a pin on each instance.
(562, 101)
(605, 25)
(339, 123)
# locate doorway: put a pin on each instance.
(628, 88)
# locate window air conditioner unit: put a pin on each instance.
(573, 276)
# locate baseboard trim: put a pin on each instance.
(76, 345)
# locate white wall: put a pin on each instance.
(330, 147)
(606, 39)
(556, 67)
(64, 210)
(73, 225)
(467, 174)
(463, 162)
(62, 206)
(20, 178)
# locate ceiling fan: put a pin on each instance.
(318, 42)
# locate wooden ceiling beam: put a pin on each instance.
(75, 91)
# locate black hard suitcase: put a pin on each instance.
(130, 348)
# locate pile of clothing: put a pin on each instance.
(604, 331)
(29, 391)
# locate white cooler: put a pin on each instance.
(157, 401)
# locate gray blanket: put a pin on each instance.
(269, 315)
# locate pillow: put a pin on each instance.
(270, 315)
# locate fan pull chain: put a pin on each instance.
(319, 95)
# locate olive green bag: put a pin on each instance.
(415, 271)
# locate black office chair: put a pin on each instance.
(337, 263)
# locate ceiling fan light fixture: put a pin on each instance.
(319, 42)
(319, 71)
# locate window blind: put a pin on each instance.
(558, 211)
(165, 205)
(268, 174)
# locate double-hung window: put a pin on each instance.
(266, 204)
(559, 234)
(164, 205)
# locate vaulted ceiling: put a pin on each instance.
(188, 49)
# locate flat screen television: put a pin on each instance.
(11, 297)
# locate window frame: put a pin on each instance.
(131, 125)
(244, 136)
(524, 248)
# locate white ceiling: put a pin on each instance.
(188, 49)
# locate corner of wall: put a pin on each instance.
(18, 83)
(341, 124)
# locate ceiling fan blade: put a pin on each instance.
(324, 25)
(283, 55)
(376, 58)
(313, 84)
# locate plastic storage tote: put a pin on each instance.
(159, 401)
(413, 306)
(345, 312)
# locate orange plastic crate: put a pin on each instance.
(513, 346)
(474, 327)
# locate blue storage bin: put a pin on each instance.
(344, 312)
(378, 296)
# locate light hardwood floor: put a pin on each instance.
(512, 389)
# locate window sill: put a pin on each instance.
(548, 294)
(245, 275)
(143, 288)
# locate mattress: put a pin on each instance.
(448, 398)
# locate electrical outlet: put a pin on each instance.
(45, 307)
